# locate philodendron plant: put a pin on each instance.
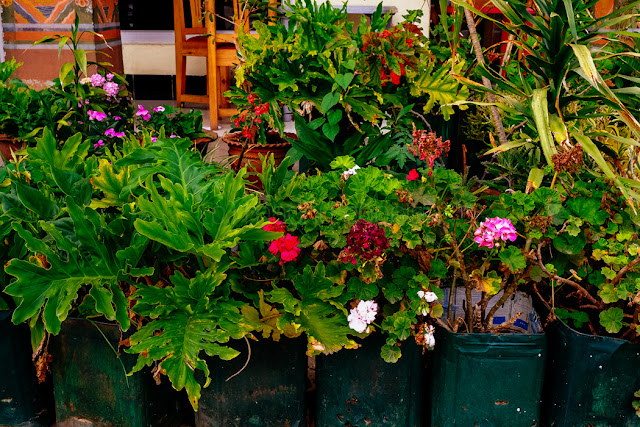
(152, 224)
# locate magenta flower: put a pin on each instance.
(143, 113)
(154, 138)
(159, 109)
(98, 144)
(413, 175)
(117, 118)
(492, 230)
(96, 115)
(286, 248)
(110, 76)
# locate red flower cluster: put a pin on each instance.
(413, 175)
(278, 226)
(365, 240)
(427, 146)
(396, 37)
(246, 120)
(285, 247)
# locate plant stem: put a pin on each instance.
(495, 114)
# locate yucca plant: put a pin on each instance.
(558, 44)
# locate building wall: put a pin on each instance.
(27, 21)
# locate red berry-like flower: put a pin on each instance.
(410, 42)
(366, 241)
(413, 175)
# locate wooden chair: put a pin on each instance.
(220, 51)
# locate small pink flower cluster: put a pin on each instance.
(362, 316)
(143, 113)
(285, 247)
(96, 115)
(492, 230)
(111, 133)
(110, 87)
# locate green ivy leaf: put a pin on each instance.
(390, 353)
(611, 319)
(513, 258)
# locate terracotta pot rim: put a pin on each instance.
(230, 139)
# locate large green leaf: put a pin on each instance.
(85, 261)
(326, 325)
(191, 316)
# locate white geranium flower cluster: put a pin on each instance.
(363, 315)
(427, 296)
(429, 339)
(346, 174)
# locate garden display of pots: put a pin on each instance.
(269, 391)
(357, 387)
(90, 381)
(487, 379)
(590, 379)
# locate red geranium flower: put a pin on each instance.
(286, 248)
(413, 175)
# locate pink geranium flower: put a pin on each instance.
(492, 230)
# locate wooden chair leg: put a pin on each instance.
(181, 78)
(212, 91)
(224, 83)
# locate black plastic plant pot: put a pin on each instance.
(487, 379)
(91, 386)
(23, 402)
(358, 388)
(590, 379)
(268, 392)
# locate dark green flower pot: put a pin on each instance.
(358, 388)
(590, 379)
(487, 379)
(23, 402)
(90, 383)
(269, 391)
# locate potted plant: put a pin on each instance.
(18, 115)
(76, 217)
(341, 83)
(176, 123)
(586, 271)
